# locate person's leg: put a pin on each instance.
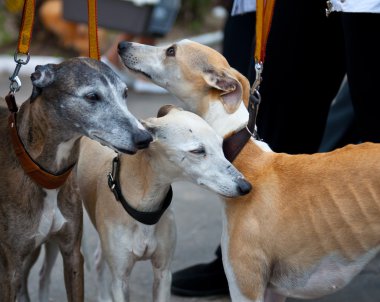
(239, 32)
(341, 128)
(361, 32)
(303, 70)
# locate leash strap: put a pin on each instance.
(148, 218)
(32, 169)
(26, 29)
(93, 42)
(233, 144)
(264, 14)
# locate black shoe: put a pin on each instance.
(201, 280)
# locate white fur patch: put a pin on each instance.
(51, 220)
(327, 276)
(225, 123)
(262, 145)
(64, 150)
(141, 241)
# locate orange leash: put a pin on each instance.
(36, 173)
(93, 42)
(26, 28)
(264, 14)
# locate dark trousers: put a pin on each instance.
(307, 58)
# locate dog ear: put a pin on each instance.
(244, 83)
(164, 110)
(43, 75)
(150, 126)
(231, 90)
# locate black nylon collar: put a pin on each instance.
(148, 218)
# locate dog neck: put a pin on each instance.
(146, 185)
(50, 146)
(224, 123)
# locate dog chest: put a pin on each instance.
(136, 238)
(51, 220)
(330, 274)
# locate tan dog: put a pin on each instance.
(311, 222)
(185, 147)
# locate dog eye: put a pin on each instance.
(92, 96)
(170, 52)
(199, 151)
(125, 94)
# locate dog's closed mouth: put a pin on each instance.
(118, 149)
(140, 71)
(130, 152)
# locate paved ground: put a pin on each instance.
(199, 226)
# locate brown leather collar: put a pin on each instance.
(233, 144)
(35, 172)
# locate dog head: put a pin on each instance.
(195, 73)
(86, 97)
(189, 149)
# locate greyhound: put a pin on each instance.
(184, 148)
(311, 223)
(75, 98)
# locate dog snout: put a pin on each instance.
(123, 46)
(142, 139)
(243, 186)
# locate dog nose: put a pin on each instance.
(123, 46)
(142, 139)
(244, 187)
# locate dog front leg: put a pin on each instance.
(161, 262)
(51, 253)
(103, 282)
(7, 274)
(121, 279)
(161, 284)
(271, 296)
(73, 272)
(23, 294)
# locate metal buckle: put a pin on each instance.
(111, 182)
(15, 80)
(112, 186)
(259, 70)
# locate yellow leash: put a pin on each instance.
(37, 174)
(26, 28)
(25, 37)
(93, 43)
(264, 14)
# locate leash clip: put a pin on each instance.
(112, 185)
(15, 80)
(258, 79)
(253, 108)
